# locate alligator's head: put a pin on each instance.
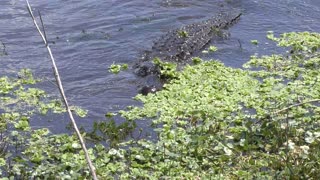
(145, 68)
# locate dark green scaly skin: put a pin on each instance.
(181, 44)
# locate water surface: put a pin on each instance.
(88, 36)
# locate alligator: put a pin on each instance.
(180, 45)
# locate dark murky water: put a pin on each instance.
(90, 35)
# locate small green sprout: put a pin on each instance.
(183, 34)
(254, 42)
(213, 49)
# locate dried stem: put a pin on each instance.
(298, 104)
(58, 80)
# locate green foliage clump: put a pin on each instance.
(212, 48)
(111, 132)
(23, 149)
(214, 121)
(196, 60)
(116, 68)
(168, 70)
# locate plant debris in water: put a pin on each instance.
(116, 68)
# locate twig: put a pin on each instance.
(42, 25)
(295, 105)
(240, 45)
(4, 52)
(57, 77)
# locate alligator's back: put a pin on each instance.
(181, 44)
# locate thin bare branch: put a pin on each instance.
(3, 48)
(298, 104)
(57, 76)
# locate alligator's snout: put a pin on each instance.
(145, 90)
(151, 84)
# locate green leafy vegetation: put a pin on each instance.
(167, 70)
(23, 148)
(196, 60)
(220, 122)
(210, 49)
(211, 121)
(116, 68)
(111, 132)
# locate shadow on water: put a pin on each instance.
(89, 36)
